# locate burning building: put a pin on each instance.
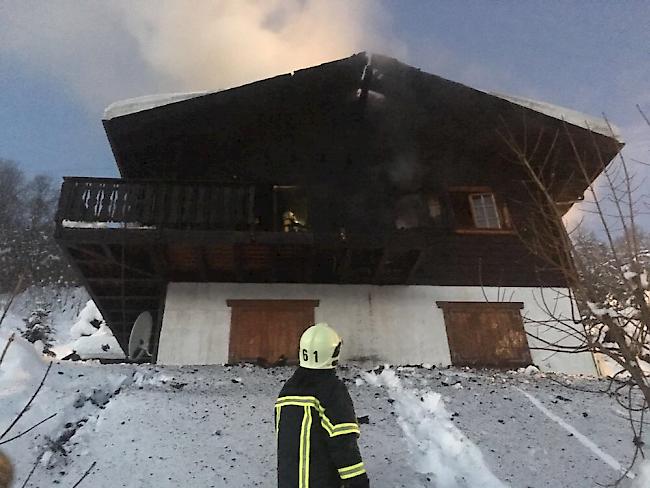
(362, 192)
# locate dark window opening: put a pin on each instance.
(417, 210)
(290, 209)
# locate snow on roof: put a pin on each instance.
(594, 124)
(147, 102)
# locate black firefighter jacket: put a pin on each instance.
(317, 431)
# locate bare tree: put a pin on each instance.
(12, 181)
(608, 279)
(27, 246)
(40, 199)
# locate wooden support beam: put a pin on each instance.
(107, 251)
(238, 258)
(203, 264)
(343, 270)
(309, 265)
(381, 266)
(127, 279)
(98, 258)
(416, 265)
(159, 262)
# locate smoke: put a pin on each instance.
(102, 51)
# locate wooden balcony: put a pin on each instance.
(100, 203)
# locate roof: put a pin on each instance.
(370, 109)
(598, 125)
(148, 102)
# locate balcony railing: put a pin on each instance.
(111, 202)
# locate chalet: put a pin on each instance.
(362, 192)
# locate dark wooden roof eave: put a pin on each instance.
(481, 115)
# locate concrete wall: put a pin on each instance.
(393, 324)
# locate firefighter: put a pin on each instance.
(291, 223)
(315, 424)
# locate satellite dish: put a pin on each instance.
(140, 335)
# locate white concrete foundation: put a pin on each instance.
(383, 324)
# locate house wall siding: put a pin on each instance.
(393, 324)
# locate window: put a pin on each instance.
(290, 209)
(484, 211)
(478, 209)
(435, 210)
(417, 210)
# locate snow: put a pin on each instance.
(147, 102)
(212, 426)
(70, 314)
(100, 345)
(629, 275)
(643, 278)
(643, 481)
(75, 224)
(20, 367)
(584, 440)
(83, 327)
(436, 445)
(599, 311)
(89, 341)
(594, 124)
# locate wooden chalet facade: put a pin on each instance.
(248, 213)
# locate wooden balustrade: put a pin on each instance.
(108, 202)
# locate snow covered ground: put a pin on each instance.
(211, 426)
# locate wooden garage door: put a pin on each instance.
(268, 331)
(484, 334)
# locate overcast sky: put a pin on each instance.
(63, 61)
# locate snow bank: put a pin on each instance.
(69, 314)
(21, 367)
(437, 446)
(88, 341)
(83, 327)
(100, 345)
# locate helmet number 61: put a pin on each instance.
(305, 355)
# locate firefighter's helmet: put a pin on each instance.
(320, 347)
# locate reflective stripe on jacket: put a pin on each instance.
(317, 431)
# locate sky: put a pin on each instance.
(63, 61)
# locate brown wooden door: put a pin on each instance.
(486, 334)
(268, 331)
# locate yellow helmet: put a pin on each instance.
(320, 347)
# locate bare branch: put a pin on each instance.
(4, 350)
(85, 474)
(26, 407)
(6, 441)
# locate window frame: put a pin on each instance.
(502, 212)
(495, 207)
